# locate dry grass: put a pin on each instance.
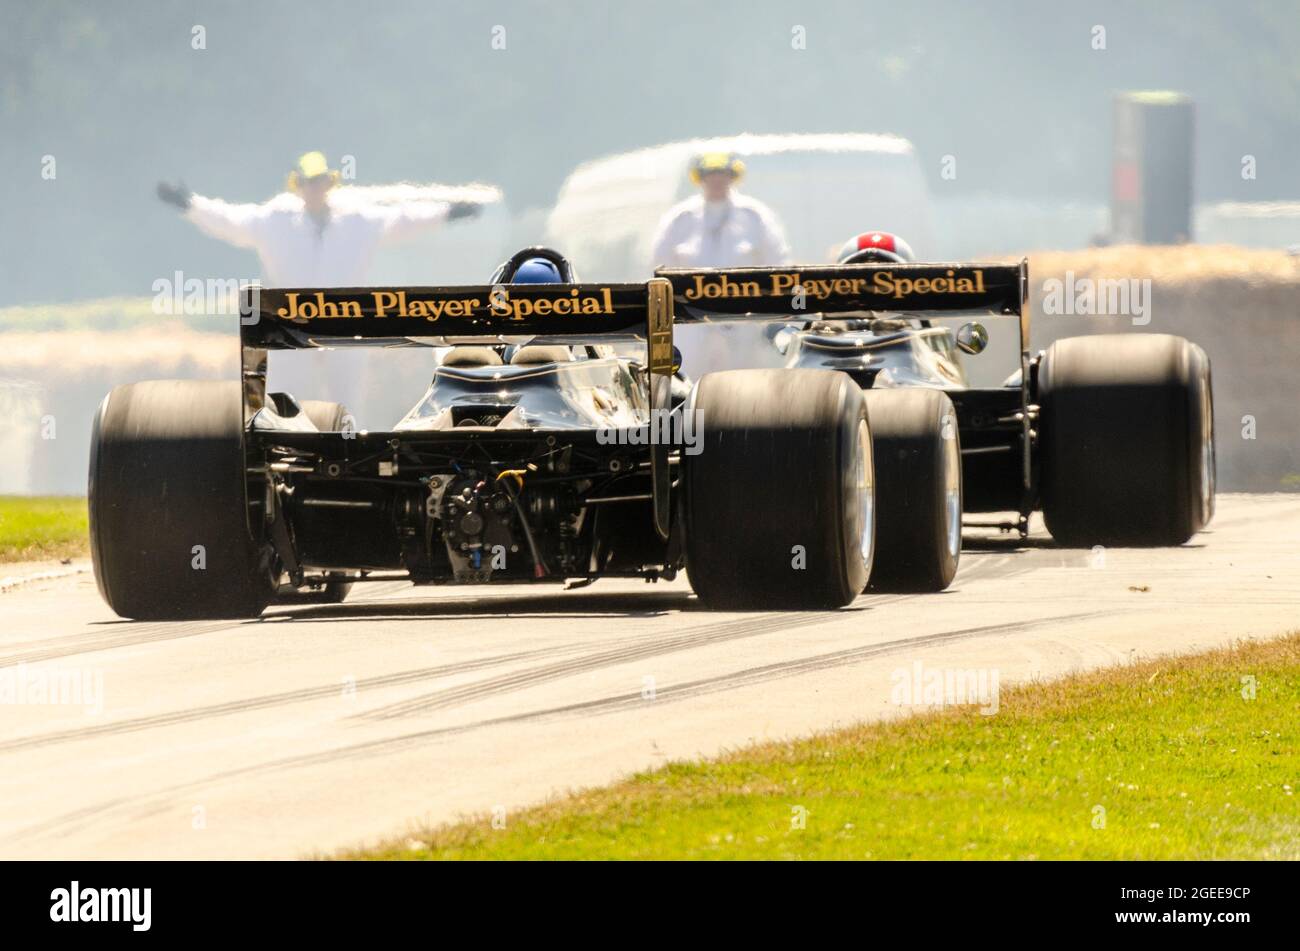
(162, 350)
(1171, 265)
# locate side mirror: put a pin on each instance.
(972, 338)
(780, 335)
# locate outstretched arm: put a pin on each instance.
(235, 224)
(413, 218)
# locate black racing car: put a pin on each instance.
(535, 455)
(1112, 436)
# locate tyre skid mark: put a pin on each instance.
(304, 695)
(783, 669)
(72, 822)
(93, 642)
(309, 694)
(147, 632)
(704, 636)
(149, 803)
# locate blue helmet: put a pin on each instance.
(535, 265)
(536, 271)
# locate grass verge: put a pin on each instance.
(40, 527)
(1170, 759)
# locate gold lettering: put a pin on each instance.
(783, 284)
(291, 311)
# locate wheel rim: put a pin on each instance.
(1207, 479)
(863, 479)
(952, 495)
(1207, 454)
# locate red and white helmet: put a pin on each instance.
(875, 247)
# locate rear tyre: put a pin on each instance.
(169, 520)
(325, 416)
(918, 489)
(328, 418)
(1127, 437)
(780, 502)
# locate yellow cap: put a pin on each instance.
(311, 165)
(711, 162)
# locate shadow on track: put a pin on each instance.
(551, 604)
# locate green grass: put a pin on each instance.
(41, 527)
(1181, 763)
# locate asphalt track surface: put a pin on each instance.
(327, 726)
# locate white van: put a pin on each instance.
(825, 188)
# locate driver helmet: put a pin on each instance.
(875, 247)
(536, 271)
(535, 265)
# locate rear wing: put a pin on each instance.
(846, 290)
(842, 290)
(292, 318)
(305, 318)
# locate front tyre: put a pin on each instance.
(325, 416)
(780, 499)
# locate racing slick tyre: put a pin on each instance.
(780, 499)
(328, 418)
(918, 489)
(169, 521)
(325, 416)
(1127, 440)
